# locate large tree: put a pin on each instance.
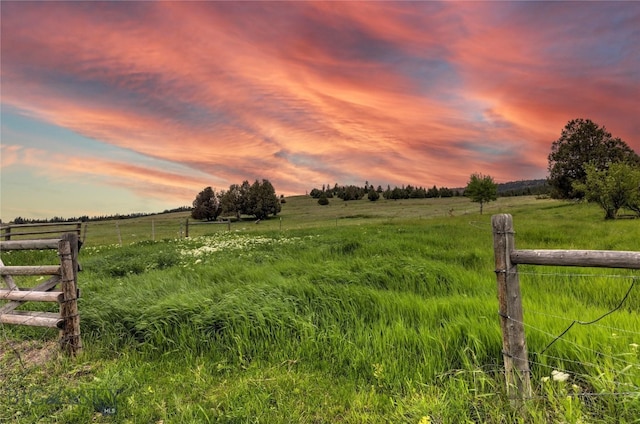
(613, 188)
(262, 200)
(231, 201)
(206, 205)
(581, 142)
(481, 189)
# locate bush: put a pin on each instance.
(323, 201)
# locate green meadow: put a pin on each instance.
(356, 312)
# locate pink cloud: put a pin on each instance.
(312, 93)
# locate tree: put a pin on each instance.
(206, 205)
(315, 193)
(231, 201)
(373, 195)
(323, 200)
(262, 200)
(582, 142)
(612, 188)
(481, 189)
(445, 192)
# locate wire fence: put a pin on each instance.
(620, 373)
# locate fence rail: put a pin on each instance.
(507, 258)
(64, 274)
(9, 231)
(583, 258)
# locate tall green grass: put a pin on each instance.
(391, 320)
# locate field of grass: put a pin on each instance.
(355, 312)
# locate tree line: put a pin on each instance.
(87, 218)
(258, 200)
(353, 192)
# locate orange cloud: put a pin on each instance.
(312, 93)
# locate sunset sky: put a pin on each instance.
(124, 107)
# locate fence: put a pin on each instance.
(28, 230)
(65, 274)
(514, 347)
(186, 225)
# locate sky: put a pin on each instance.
(135, 107)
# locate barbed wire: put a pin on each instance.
(633, 283)
(596, 352)
(618, 329)
(569, 274)
(479, 224)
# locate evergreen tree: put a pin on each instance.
(373, 195)
(206, 205)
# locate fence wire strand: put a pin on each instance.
(633, 283)
(613, 329)
(596, 352)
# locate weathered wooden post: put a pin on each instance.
(186, 228)
(514, 346)
(70, 340)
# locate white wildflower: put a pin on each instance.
(559, 375)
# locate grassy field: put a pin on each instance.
(357, 312)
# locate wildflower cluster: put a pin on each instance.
(95, 250)
(199, 248)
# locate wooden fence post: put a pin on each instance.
(514, 347)
(70, 340)
(186, 228)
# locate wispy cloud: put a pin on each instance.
(312, 93)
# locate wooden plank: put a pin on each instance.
(41, 244)
(31, 233)
(583, 258)
(31, 296)
(44, 224)
(35, 319)
(44, 286)
(8, 279)
(30, 270)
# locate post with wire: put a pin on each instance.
(514, 346)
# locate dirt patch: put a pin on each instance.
(27, 353)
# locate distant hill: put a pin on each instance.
(519, 188)
(523, 188)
